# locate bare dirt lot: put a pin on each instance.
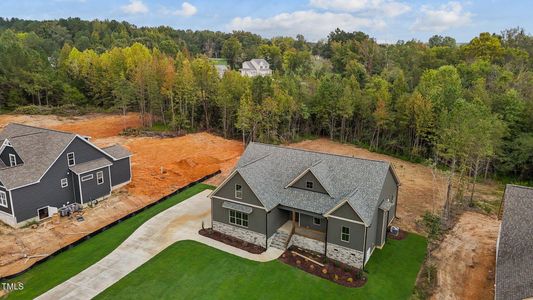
(159, 167)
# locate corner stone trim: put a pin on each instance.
(307, 243)
(345, 255)
(240, 233)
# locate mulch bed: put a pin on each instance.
(232, 241)
(332, 270)
(401, 235)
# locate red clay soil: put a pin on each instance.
(232, 241)
(331, 270)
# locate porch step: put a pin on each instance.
(280, 240)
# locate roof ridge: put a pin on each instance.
(254, 161)
(320, 152)
(520, 186)
(40, 128)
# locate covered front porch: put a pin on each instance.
(305, 224)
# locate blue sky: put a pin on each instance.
(386, 20)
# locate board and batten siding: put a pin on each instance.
(357, 233)
(256, 219)
(346, 212)
(390, 191)
(308, 176)
(227, 191)
(91, 190)
(120, 171)
(4, 156)
(48, 192)
(306, 221)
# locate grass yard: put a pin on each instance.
(190, 270)
(56, 270)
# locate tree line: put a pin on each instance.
(467, 107)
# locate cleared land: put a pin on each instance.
(219, 275)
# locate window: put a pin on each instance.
(64, 182)
(3, 199)
(345, 234)
(309, 184)
(100, 177)
(12, 160)
(71, 159)
(43, 213)
(238, 191)
(238, 218)
(87, 177)
(316, 221)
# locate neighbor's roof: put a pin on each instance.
(254, 63)
(91, 165)
(37, 147)
(117, 152)
(268, 169)
(514, 260)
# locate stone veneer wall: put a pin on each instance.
(240, 233)
(346, 255)
(307, 243)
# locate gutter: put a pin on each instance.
(364, 251)
(326, 239)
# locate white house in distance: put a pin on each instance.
(256, 67)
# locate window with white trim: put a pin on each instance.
(345, 234)
(316, 221)
(64, 182)
(309, 184)
(12, 160)
(71, 159)
(3, 199)
(238, 218)
(238, 191)
(87, 177)
(100, 177)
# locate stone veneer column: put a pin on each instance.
(240, 233)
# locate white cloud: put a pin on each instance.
(444, 17)
(186, 10)
(135, 7)
(388, 8)
(314, 25)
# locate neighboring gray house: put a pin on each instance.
(335, 205)
(43, 171)
(514, 250)
(256, 67)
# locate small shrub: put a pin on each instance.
(298, 262)
(324, 271)
(312, 267)
(335, 277)
(350, 279)
(358, 274)
(433, 225)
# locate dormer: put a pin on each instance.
(8, 155)
(307, 181)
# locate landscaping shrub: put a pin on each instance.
(433, 225)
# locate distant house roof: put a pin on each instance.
(514, 258)
(91, 165)
(117, 152)
(269, 169)
(255, 64)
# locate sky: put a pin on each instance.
(386, 20)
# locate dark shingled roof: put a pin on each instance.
(514, 258)
(91, 165)
(117, 152)
(268, 169)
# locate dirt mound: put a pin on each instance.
(466, 259)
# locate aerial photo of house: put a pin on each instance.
(256, 67)
(45, 171)
(335, 205)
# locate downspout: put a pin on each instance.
(364, 250)
(396, 202)
(266, 230)
(326, 239)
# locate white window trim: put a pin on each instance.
(12, 160)
(315, 223)
(48, 209)
(86, 177)
(64, 182)
(241, 218)
(3, 199)
(309, 182)
(100, 175)
(236, 192)
(348, 234)
(73, 159)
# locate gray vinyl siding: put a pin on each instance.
(276, 218)
(7, 209)
(379, 232)
(256, 219)
(120, 171)
(302, 183)
(48, 192)
(371, 231)
(76, 183)
(347, 212)
(389, 191)
(228, 191)
(4, 156)
(91, 190)
(306, 221)
(357, 234)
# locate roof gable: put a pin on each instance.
(300, 182)
(346, 211)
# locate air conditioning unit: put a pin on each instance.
(395, 230)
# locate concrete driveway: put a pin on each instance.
(180, 222)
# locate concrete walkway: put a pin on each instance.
(180, 222)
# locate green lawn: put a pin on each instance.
(69, 263)
(190, 270)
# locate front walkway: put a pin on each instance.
(180, 222)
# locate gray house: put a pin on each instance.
(514, 255)
(43, 171)
(256, 67)
(335, 205)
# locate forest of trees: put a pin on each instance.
(468, 107)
